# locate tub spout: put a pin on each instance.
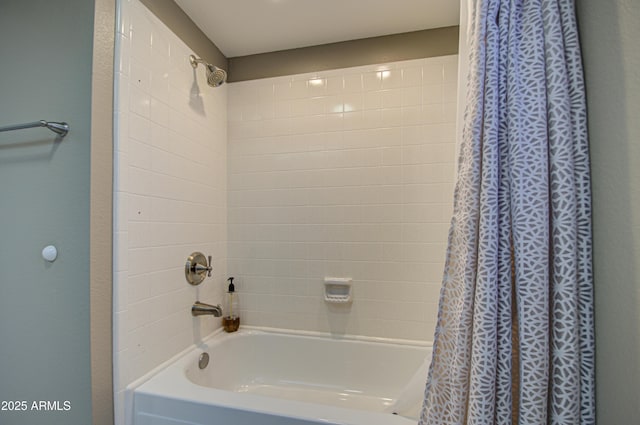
(201, 309)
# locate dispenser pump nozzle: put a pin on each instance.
(232, 287)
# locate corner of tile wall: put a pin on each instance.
(170, 196)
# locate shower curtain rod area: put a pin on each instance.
(60, 128)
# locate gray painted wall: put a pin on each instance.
(389, 48)
(366, 51)
(609, 37)
(46, 50)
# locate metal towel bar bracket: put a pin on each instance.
(60, 128)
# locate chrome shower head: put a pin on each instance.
(215, 76)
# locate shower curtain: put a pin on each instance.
(514, 342)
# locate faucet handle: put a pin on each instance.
(204, 268)
(196, 268)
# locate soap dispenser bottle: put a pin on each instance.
(231, 312)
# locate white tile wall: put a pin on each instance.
(344, 173)
(171, 195)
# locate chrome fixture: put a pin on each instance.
(203, 360)
(196, 268)
(60, 128)
(202, 309)
(215, 76)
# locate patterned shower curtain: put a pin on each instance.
(514, 342)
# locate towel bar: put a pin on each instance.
(60, 128)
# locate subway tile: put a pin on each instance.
(159, 138)
(139, 155)
(411, 116)
(432, 94)
(139, 101)
(391, 79)
(160, 46)
(438, 152)
(159, 85)
(440, 133)
(353, 83)
(353, 120)
(298, 89)
(373, 118)
(391, 98)
(159, 112)
(372, 80)
(340, 214)
(389, 232)
(364, 169)
(318, 105)
(412, 135)
(352, 102)
(316, 86)
(282, 91)
(332, 123)
(411, 96)
(424, 232)
(450, 71)
(411, 76)
(413, 155)
(159, 222)
(449, 92)
(333, 104)
(140, 76)
(391, 117)
(392, 156)
(387, 175)
(381, 213)
(269, 128)
(424, 193)
(423, 251)
(139, 128)
(352, 251)
(141, 40)
(299, 107)
(432, 114)
(372, 99)
(342, 177)
(335, 85)
(432, 73)
(449, 112)
(325, 174)
(392, 252)
(424, 212)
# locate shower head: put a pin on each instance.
(215, 76)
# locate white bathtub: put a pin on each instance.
(275, 377)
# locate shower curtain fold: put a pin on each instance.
(514, 342)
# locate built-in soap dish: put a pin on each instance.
(337, 290)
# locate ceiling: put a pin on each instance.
(246, 27)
